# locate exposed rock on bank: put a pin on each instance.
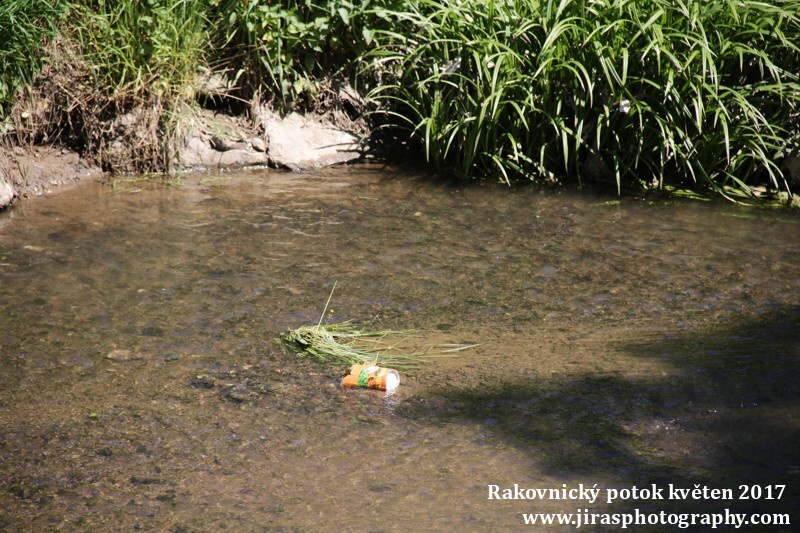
(7, 193)
(211, 141)
(298, 143)
(295, 142)
(212, 153)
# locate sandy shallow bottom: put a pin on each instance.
(622, 343)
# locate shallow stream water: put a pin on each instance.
(622, 343)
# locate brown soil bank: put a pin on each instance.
(209, 141)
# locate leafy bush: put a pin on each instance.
(25, 25)
(690, 90)
(634, 92)
(287, 47)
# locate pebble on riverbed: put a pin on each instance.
(124, 356)
(204, 381)
(237, 393)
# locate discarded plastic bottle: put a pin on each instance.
(372, 377)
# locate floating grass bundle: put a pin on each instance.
(347, 344)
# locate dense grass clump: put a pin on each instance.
(702, 92)
(143, 59)
(135, 48)
(25, 26)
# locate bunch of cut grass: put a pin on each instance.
(348, 344)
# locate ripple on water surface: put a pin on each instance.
(622, 343)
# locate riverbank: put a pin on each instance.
(630, 94)
(213, 143)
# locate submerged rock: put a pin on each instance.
(237, 393)
(204, 381)
(141, 480)
(123, 356)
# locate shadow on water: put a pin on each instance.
(141, 386)
(723, 413)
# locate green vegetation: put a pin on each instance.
(142, 48)
(140, 58)
(691, 93)
(348, 344)
(25, 26)
(291, 49)
(700, 91)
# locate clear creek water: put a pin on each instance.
(621, 343)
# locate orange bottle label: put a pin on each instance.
(371, 377)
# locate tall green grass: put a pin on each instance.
(633, 92)
(142, 59)
(25, 26)
(138, 48)
(698, 92)
(289, 49)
